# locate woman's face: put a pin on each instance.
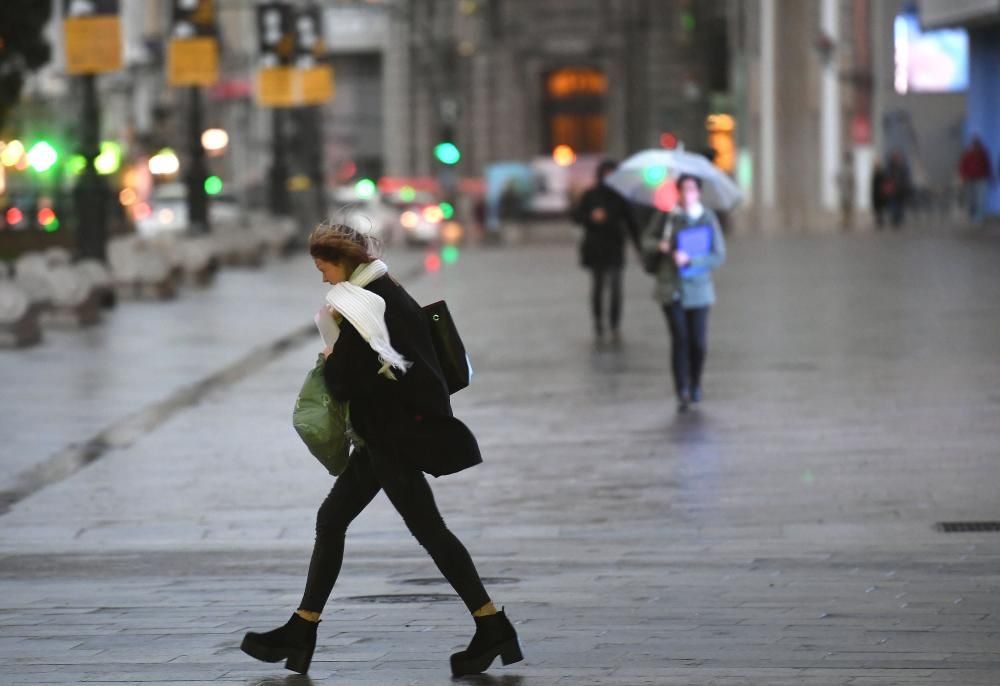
(333, 272)
(690, 193)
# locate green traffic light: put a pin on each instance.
(447, 152)
(110, 158)
(365, 189)
(213, 185)
(42, 156)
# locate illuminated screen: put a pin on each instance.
(929, 62)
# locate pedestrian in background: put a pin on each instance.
(681, 249)
(607, 223)
(976, 173)
(384, 365)
(897, 187)
(880, 194)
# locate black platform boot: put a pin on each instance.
(294, 643)
(495, 636)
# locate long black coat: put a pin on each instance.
(603, 244)
(410, 418)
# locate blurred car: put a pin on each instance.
(166, 211)
(414, 218)
(418, 216)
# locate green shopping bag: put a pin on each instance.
(322, 422)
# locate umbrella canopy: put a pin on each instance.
(648, 178)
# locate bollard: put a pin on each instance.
(18, 320)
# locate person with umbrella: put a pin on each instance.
(607, 220)
(680, 248)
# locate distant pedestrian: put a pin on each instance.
(384, 365)
(897, 187)
(681, 248)
(880, 194)
(607, 223)
(976, 173)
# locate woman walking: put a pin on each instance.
(682, 248)
(384, 364)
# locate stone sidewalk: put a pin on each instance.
(783, 533)
(83, 389)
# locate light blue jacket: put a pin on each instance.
(692, 291)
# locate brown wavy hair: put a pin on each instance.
(344, 244)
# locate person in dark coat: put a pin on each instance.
(400, 413)
(897, 187)
(607, 222)
(880, 196)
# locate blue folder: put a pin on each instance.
(696, 241)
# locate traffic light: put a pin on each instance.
(446, 152)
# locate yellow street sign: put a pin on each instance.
(93, 44)
(316, 85)
(193, 61)
(276, 87)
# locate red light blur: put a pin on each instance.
(14, 216)
(432, 262)
(141, 211)
(665, 197)
(668, 140)
(46, 216)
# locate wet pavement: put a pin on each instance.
(782, 533)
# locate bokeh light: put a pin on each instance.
(433, 214)
(409, 219)
(654, 176)
(452, 232)
(110, 158)
(432, 262)
(213, 185)
(365, 189)
(42, 156)
(563, 155)
(665, 197)
(447, 210)
(407, 193)
(450, 254)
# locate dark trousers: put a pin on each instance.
(606, 279)
(688, 344)
(407, 489)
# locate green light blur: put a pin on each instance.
(447, 209)
(407, 194)
(447, 153)
(42, 156)
(687, 22)
(76, 165)
(365, 188)
(52, 226)
(654, 176)
(110, 158)
(450, 254)
(213, 185)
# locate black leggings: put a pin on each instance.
(688, 343)
(407, 489)
(606, 278)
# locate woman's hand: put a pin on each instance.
(327, 351)
(681, 258)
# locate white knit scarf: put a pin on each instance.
(366, 312)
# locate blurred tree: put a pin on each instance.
(23, 48)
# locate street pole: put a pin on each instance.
(90, 193)
(317, 155)
(197, 198)
(278, 175)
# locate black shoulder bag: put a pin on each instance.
(448, 346)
